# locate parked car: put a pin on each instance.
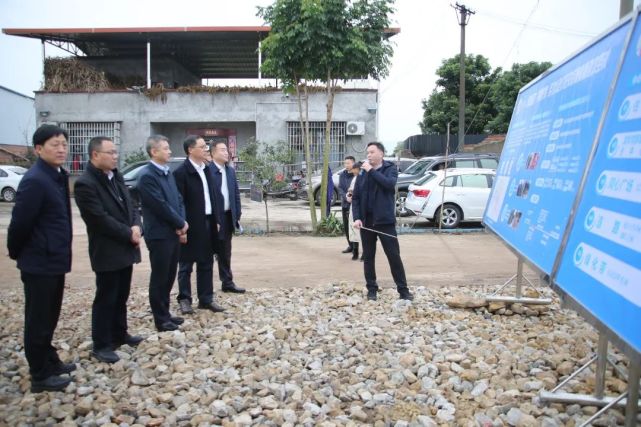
(10, 177)
(432, 163)
(466, 193)
(403, 163)
(316, 186)
(130, 175)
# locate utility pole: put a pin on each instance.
(463, 15)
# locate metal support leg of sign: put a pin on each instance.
(599, 398)
(519, 298)
(632, 408)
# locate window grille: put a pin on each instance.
(317, 136)
(79, 135)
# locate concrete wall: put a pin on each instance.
(176, 132)
(267, 112)
(18, 118)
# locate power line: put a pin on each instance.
(538, 26)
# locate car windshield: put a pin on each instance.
(427, 178)
(18, 170)
(416, 165)
(133, 173)
(419, 168)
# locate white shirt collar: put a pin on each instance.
(218, 166)
(196, 165)
(163, 168)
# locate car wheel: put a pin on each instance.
(401, 210)
(9, 194)
(450, 216)
(334, 196)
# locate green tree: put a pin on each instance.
(505, 90)
(489, 95)
(327, 41)
(442, 105)
(264, 161)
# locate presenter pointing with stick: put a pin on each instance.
(374, 214)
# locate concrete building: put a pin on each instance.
(166, 77)
(17, 124)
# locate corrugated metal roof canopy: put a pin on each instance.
(208, 52)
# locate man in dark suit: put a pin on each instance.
(227, 210)
(165, 229)
(196, 186)
(39, 238)
(373, 208)
(113, 227)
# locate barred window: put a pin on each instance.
(79, 135)
(317, 135)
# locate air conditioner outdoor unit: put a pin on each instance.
(355, 128)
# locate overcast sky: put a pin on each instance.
(505, 31)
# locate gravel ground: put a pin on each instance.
(318, 355)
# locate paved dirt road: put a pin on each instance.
(281, 260)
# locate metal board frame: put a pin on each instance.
(606, 334)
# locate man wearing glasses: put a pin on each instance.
(196, 186)
(113, 227)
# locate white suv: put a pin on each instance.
(10, 177)
(461, 195)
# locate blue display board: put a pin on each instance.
(550, 137)
(601, 264)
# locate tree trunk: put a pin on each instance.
(326, 179)
(304, 126)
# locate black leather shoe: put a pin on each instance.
(64, 368)
(212, 306)
(132, 340)
(407, 295)
(371, 295)
(167, 326)
(177, 320)
(52, 383)
(347, 250)
(234, 289)
(185, 306)
(105, 355)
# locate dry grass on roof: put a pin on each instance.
(70, 74)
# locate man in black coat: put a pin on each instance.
(344, 180)
(165, 229)
(373, 208)
(227, 211)
(39, 238)
(196, 185)
(113, 227)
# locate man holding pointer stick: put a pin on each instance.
(374, 214)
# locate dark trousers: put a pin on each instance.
(392, 252)
(204, 280)
(223, 252)
(109, 310)
(163, 257)
(345, 212)
(43, 300)
(204, 271)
